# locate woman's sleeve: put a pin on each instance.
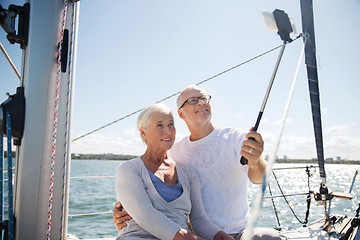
(198, 218)
(131, 193)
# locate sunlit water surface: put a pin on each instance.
(94, 195)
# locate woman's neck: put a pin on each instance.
(153, 159)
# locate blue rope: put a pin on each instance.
(9, 158)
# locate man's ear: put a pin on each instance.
(181, 114)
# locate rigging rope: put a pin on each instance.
(54, 129)
(9, 60)
(172, 95)
(258, 200)
(66, 166)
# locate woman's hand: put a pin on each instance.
(221, 235)
(184, 234)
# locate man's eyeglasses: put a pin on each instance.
(195, 100)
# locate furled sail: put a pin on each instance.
(311, 66)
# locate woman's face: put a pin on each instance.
(160, 133)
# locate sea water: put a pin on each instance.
(96, 194)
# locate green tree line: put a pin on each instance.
(102, 156)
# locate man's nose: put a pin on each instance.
(201, 101)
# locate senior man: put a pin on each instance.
(215, 154)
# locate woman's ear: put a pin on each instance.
(143, 133)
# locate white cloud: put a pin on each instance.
(343, 146)
(324, 111)
(337, 129)
(292, 147)
(304, 147)
(129, 142)
(264, 120)
(126, 142)
(278, 122)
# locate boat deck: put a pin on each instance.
(313, 231)
(316, 230)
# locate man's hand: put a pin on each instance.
(120, 216)
(223, 236)
(252, 148)
(184, 234)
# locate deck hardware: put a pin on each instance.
(64, 50)
(7, 21)
(15, 105)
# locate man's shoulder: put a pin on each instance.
(181, 141)
(185, 167)
(229, 130)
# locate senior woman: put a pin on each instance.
(158, 193)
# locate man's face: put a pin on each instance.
(200, 112)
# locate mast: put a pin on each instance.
(34, 156)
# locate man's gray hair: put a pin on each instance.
(180, 100)
(143, 118)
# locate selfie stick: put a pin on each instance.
(243, 160)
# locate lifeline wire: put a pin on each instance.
(275, 210)
(286, 200)
(201, 82)
(258, 200)
(54, 130)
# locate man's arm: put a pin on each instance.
(120, 216)
(252, 150)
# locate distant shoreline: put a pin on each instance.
(106, 156)
(121, 157)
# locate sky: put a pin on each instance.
(133, 53)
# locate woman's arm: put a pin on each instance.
(131, 193)
(198, 218)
